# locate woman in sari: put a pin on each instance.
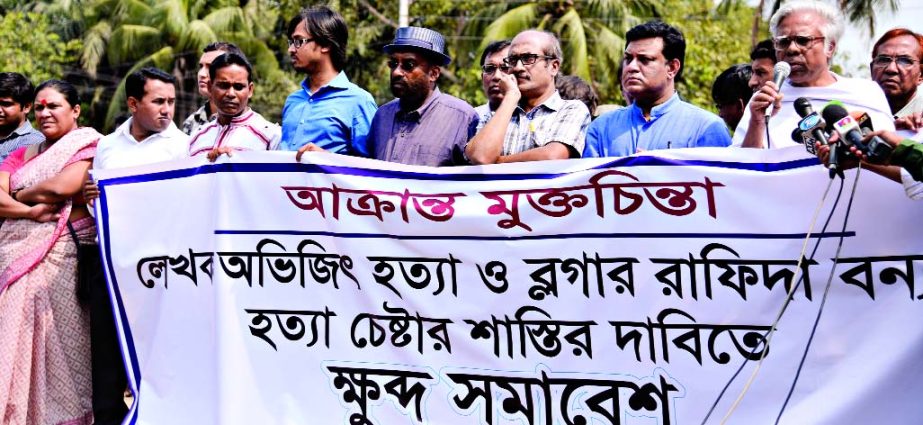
(44, 330)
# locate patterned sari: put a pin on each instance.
(44, 332)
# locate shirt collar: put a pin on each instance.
(23, 129)
(418, 113)
(553, 103)
(124, 130)
(661, 109)
(242, 117)
(338, 82)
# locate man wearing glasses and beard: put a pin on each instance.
(532, 122)
(805, 35)
(422, 126)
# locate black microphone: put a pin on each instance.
(811, 125)
(846, 126)
(780, 73)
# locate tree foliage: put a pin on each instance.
(41, 54)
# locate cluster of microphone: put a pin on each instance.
(851, 128)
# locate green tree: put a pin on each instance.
(41, 55)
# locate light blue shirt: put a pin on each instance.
(674, 124)
(336, 118)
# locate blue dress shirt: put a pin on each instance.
(674, 124)
(336, 118)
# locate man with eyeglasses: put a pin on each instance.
(533, 122)
(423, 126)
(328, 112)
(657, 118)
(491, 70)
(895, 67)
(805, 35)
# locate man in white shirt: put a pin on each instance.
(148, 136)
(236, 127)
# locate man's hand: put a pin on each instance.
(310, 147)
(216, 152)
(44, 213)
(823, 154)
(767, 95)
(90, 191)
(912, 122)
(888, 137)
(510, 87)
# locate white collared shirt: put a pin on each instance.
(246, 132)
(119, 149)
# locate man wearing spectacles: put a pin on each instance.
(328, 112)
(895, 67)
(532, 122)
(657, 118)
(492, 69)
(805, 35)
(423, 126)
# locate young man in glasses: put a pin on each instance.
(532, 122)
(423, 126)
(895, 67)
(491, 72)
(658, 118)
(805, 35)
(328, 112)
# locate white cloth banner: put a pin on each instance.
(610, 291)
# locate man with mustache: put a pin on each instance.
(236, 127)
(895, 67)
(423, 126)
(532, 122)
(328, 112)
(207, 111)
(491, 69)
(658, 118)
(805, 34)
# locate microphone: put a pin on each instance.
(812, 129)
(849, 130)
(780, 73)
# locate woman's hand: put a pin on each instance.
(44, 213)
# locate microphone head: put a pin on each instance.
(781, 70)
(832, 113)
(803, 107)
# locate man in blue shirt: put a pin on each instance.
(15, 103)
(658, 118)
(329, 112)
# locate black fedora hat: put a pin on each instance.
(417, 38)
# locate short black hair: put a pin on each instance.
(223, 46)
(732, 85)
(17, 87)
(494, 47)
(574, 87)
(63, 87)
(674, 44)
(228, 59)
(327, 28)
(134, 83)
(764, 50)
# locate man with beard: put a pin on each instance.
(328, 112)
(207, 111)
(237, 127)
(533, 122)
(422, 126)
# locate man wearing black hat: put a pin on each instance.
(422, 126)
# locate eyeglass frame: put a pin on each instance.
(491, 69)
(522, 58)
(394, 64)
(895, 59)
(803, 41)
(298, 43)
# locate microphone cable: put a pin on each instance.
(768, 335)
(823, 301)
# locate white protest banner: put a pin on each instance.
(610, 291)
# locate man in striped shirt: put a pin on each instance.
(237, 127)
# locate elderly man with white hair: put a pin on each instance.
(805, 34)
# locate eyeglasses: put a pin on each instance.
(882, 61)
(491, 69)
(526, 59)
(298, 42)
(803, 41)
(406, 66)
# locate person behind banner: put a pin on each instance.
(491, 69)
(44, 329)
(423, 126)
(657, 118)
(895, 67)
(805, 35)
(731, 92)
(533, 122)
(572, 87)
(15, 103)
(207, 111)
(762, 62)
(328, 112)
(237, 127)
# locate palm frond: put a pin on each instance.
(94, 47)
(570, 29)
(171, 16)
(512, 22)
(227, 20)
(196, 37)
(130, 42)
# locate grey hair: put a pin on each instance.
(554, 45)
(832, 30)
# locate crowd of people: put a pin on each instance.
(59, 355)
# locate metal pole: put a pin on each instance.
(404, 13)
